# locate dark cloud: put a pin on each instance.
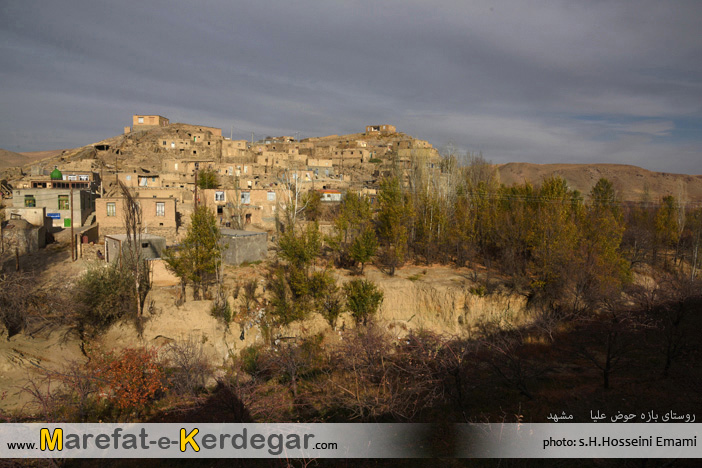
(528, 81)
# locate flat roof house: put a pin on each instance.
(57, 203)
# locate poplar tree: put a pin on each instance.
(394, 217)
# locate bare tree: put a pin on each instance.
(236, 207)
(292, 203)
(135, 261)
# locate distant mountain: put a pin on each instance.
(632, 183)
(10, 159)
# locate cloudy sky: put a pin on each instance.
(553, 81)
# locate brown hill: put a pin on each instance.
(632, 183)
(11, 159)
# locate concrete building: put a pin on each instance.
(57, 203)
(87, 180)
(243, 246)
(117, 246)
(147, 122)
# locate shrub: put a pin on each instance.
(130, 379)
(104, 294)
(221, 311)
(363, 299)
(188, 366)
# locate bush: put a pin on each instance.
(253, 361)
(188, 366)
(207, 179)
(221, 311)
(105, 295)
(128, 380)
(363, 299)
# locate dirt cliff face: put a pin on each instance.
(443, 300)
(437, 299)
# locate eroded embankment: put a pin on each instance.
(439, 299)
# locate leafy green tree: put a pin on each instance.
(603, 197)
(364, 246)
(554, 237)
(289, 299)
(180, 264)
(667, 228)
(354, 214)
(302, 247)
(198, 258)
(207, 179)
(394, 219)
(602, 270)
(332, 305)
(312, 201)
(363, 298)
(104, 295)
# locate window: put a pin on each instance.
(173, 144)
(141, 120)
(160, 208)
(63, 202)
(128, 177)
(245, 198)
(111, 209)
(30, 201)
(219, 196)
(82, 177)
(271, 196)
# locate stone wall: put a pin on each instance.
(243, 246)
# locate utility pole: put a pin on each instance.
(252, 135)
(195, 201)
(73, 239)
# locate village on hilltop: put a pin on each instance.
(160, 162)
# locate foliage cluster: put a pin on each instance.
(207, 179)
(198, 258)
(105, 294)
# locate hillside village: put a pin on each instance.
(478, 288)
(160, 161)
